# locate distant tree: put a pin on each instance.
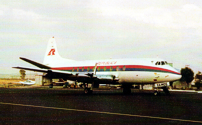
(198, 80)
(198, 85)
(22, 73)
(187, 75)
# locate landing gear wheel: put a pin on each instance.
(88, 91)
(51, 85)
(156, 93)
(126, 90)
(165, 89)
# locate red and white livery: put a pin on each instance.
(126, 72)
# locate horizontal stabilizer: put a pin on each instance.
(35, 63)
(44, 70)
(37, 70)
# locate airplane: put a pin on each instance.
(27, 82)
(127, 72)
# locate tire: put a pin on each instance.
(126, 90)
(88, 91)
(51, 85)
(156, 93)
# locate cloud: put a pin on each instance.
(3, 9)
(1, 13)
(190, 8)
(188, 16)
(115, 28)
(184, 16)
(15, 14)
(25, 15)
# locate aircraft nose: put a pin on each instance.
(175, 77)
(178, 76)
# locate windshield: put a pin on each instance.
(161, 63)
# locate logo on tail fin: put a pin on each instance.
(52, 52)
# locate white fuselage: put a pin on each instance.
(145, 70)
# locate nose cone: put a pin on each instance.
(177, 77)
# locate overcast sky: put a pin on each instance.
(101, 29)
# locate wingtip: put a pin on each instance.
(15, 67)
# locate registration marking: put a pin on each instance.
(99, 112)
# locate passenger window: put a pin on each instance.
(162, 63)
(105, 68)
(117, 68)
(124, 68)
(111, 68)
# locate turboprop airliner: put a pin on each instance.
(125, 72)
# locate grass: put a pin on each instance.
(9, 83)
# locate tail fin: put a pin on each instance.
(52, 57)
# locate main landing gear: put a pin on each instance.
(127, 89)
(165, 90)
(87, 89)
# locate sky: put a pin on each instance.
(101, 29)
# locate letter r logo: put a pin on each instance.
(52, 52)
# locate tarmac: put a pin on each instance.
(43, 105)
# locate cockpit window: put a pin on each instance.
(161, 63)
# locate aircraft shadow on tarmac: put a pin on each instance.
(110, 93)
(52, 92)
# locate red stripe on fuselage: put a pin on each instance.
(152, 68)
(120, 66)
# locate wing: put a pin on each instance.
(73, 76)
(79, 76)
(44, 70)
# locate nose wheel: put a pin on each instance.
(165, 89)
(156, 93)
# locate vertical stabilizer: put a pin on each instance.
(52, 57)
